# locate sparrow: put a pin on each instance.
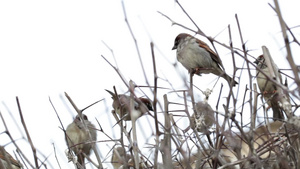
(119, 156)
(268, 88)
(77, 137)
(204, 119)
(121, 105)
(295, 122)
(7, 160)
(196, 56)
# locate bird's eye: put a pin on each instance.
(84, 117)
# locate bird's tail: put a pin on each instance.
(229, 79)
(112, 94)
(80, 164)
(277, 111)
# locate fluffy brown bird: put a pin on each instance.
(196, 55)
(121, 105)
(119, 156)
(77, 137)
(204, 119)
(8, 161)
(267, 88)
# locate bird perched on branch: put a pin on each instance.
(121, 105)
(267, 88)
(8, 161)
(119, 157)
(204, 118)
(198, 58)
(81, 139)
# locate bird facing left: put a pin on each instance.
(198, 58)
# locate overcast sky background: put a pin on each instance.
(48, 48)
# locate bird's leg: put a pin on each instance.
(269, 92)
(192, 71)
(265, 93)
(80, 158)
(198, 70)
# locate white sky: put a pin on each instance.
(47, 48)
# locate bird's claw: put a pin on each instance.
(192, 71)
(269, 92)
(195, 70)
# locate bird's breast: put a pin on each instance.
(192, 56)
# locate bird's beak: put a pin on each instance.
(174, 47)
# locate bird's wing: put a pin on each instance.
(10, 158)
(213, 55)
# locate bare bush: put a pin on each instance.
(193, 134)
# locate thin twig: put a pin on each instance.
(167, 157)
(27, 134)
(55, 155)
(135, 42)
(157, 133)
(134, 115)
(287, 45)
(117, 70)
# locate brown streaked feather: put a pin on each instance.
(9, 157)
(202, 44)
(213, 55)
(147, 102)
(121, 105)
